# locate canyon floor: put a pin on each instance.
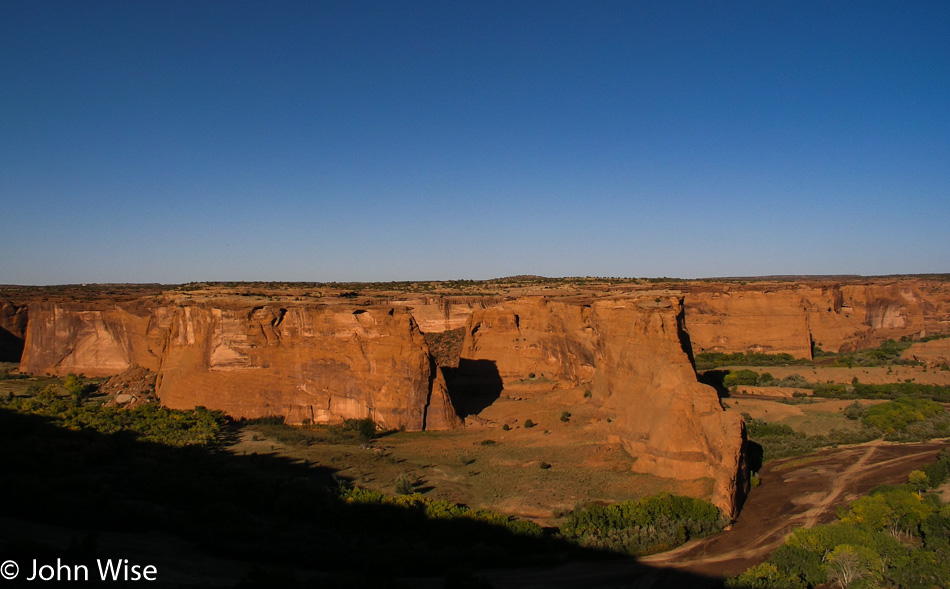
(486, 465)
(538, 472)
(542, 472)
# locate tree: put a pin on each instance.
(848, 563)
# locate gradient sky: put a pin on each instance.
(331, 141)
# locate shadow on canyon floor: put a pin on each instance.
(473, 385)
(251, 520)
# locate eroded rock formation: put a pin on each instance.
(314, 364)
(633, 354)
(336, 357)
(13, 320)
(794, 318)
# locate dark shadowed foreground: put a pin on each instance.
(208, 518)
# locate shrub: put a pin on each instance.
(652, 524)
(854, 411)
(740, 377)
(565, 416)
(405, 484)
(528, 423)
(897, 415)
(366, 428)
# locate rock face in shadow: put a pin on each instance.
(792, 318)
(13, 321)
(312, 364)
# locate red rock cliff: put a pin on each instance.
(304, 363)
(13, 321)
(632, 353)
(790, 317)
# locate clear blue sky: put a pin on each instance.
(174, 141)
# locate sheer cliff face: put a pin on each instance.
(323, 364)
(789, 318)
(632, 354)
(13, 320)
(645, 381)
(302, 363)
(93, 339)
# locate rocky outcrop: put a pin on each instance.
(795, 318)
(13, 320)
(633, 354)
(94, 339)
(671, 423)
(315, 364)
(306, 363)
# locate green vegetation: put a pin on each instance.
(727, 379)
(742, 377)
(650, 525)
(903, 420)
(898, 415)
(882, 391)
(893, 537)
(781, 441)
(405, 484)
(350, 431)
(150, 469)
(709, 360)
(151, 422)
(888, 353)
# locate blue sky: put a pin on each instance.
(332, 141)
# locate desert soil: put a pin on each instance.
(795, 492)
(485, 466)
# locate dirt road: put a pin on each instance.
(794, 492)
(798, 492)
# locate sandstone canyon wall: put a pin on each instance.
(335, 358)
(633, 354)
(793, 318)
(325, 363)
(13, 320)
(304, 363)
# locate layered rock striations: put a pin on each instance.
(316, 364)
(633, 354)
(334, 358)
(797, 318)
(306, 363)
